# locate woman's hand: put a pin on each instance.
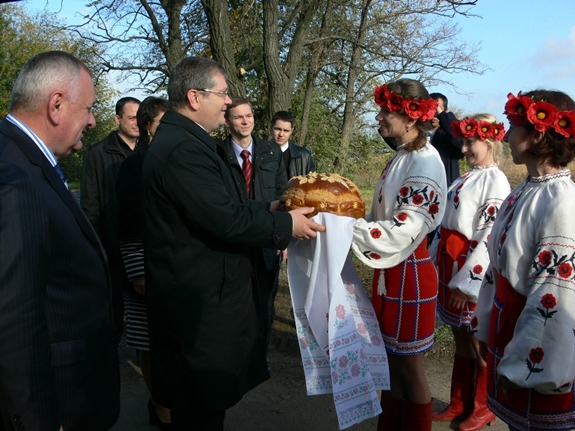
(457, 299)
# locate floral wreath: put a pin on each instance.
(543, 115)
(420, 109)
(470, 128)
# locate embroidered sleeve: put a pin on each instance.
(418, 209)
(540, 354)
(469, 277)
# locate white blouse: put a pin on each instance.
(532, 245)
(473, 202)
(408, 203)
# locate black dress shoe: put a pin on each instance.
(154, 419)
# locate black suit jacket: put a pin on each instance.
(207, 346)
(57, 354)
(448, 146)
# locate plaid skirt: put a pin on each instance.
(406, 312)
(453, 316)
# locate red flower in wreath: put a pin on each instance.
(379, 94)
(414, 108)
(374, 256)
(404, 191)
(485, 130)
(536, 355)
(565, 270)
(433, 209)
(401, 217)
(456, 129)
(375, 233)
(477, 269)
(541, 115)
(516, 108)
(429, 107)
(564, 123)
(468, 127)
(498, 131)
(548, 301)
(417, 199)
(544, 257)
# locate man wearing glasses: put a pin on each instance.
(206, 347)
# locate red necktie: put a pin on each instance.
(247, 170)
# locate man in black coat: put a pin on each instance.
(98, 194)
(207, 349)
(448, 146)
(268, 180)
(58, 361)
(297, 160)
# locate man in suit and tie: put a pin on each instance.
(58, 360)
(261, 162)
(206, 343)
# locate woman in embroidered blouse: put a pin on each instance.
(526, 306)
(408, 204)
(473, 201)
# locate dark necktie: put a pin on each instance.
(247, 170)
(60, 172)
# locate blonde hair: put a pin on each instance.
(496, 146)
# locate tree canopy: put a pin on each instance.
(22, 36)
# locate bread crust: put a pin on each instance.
(325, 193)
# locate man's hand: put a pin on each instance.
(304, 228)
(140, 285)
(275, 206)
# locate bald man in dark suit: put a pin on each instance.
(58, 361)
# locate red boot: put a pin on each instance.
(390, 418)
(462, 379)
(481, 415)
(416, 417)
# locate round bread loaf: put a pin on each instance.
(330, 193)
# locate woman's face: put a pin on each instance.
(520, 141)
(477, 152)
(392, 123)
(153, 125)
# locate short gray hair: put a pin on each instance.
(191, 72)
(41, 74)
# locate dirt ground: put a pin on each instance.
(281, 403)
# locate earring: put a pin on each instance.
(149, 134)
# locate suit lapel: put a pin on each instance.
(33, 153)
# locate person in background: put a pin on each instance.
(408, 203)
(448, 146)
(58, 360)
(297, 160)
(206, 344)
(267, 181)
(131, 236)
(98, 194)
(526, 307)
(460, 249)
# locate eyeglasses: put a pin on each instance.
(221, 93)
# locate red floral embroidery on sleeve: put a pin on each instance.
(375, 233)
(535, 357)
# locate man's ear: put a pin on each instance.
(55, 106)
(193, 97)
(117, 118)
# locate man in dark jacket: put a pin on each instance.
(98, 193)
(206, 343)
(445, 143)
(297, 160)
(59, 365)
(268, 180)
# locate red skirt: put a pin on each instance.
(452, 248)
(406, 313)
(523, 409)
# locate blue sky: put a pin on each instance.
(526, 44)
